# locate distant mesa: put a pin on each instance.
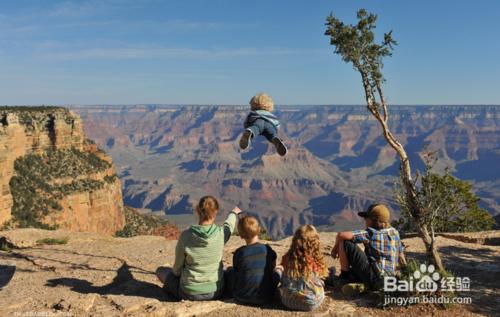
(338, 162)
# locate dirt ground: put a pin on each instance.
(94, 275)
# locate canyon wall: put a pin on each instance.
(338, 163)
(40, 133)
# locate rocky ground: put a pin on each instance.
(93, 275)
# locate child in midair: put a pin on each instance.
(303, 268)
(261, 121)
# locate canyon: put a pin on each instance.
(338, 163)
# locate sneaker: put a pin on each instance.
(245, 139)
(280, 147)
(353, 289)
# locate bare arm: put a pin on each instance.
(346, 235)
(402, 259)
(230, 223)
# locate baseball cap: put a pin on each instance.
(379, 212)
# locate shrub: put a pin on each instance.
(52, 241)
(33, 190)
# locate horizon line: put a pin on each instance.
(240, 105)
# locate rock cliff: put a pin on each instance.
(52, 176)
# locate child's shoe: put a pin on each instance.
(280, 147)
(353, 289)
(245, 139)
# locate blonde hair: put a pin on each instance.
(248, 227)
(207, 208)
(262, 101)
(304, 256)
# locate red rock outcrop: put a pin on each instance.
(26, 131)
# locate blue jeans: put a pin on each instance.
(172, 286)
(362, 269)
(264, 128)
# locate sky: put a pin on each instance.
(223, 52)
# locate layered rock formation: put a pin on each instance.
(52, 175)
(338, 163)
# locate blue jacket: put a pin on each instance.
(261, 114)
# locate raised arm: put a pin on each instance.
(230, 223)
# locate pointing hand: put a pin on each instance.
(236, 210)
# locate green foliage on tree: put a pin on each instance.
(451, 204)
(355, 43)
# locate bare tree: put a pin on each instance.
(356, 45)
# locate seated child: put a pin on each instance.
(260, 121)
(252, 280)
(197, 273)
(383, 249)
(303, 268)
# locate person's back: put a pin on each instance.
(201, 271)
(382, 246)
(303, 268)
(197, 272)
(251, 280)
(253, 266)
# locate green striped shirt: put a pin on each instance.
(198, 256)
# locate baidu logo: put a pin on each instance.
(424, 279)
(427, 278)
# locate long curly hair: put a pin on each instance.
(304, 256)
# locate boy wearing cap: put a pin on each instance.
(383, 249)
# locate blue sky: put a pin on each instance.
(222, 52)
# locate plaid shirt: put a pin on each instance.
(381, 246)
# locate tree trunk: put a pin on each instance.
(415, 207)
(430, 246)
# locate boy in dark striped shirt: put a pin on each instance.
(251, 280)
